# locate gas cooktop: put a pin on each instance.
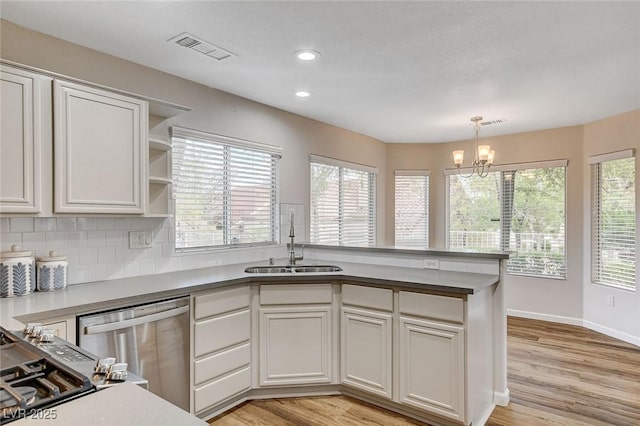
(32, 381)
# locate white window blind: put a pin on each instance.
(412, 208)
(520, 210)
(225, 191)
(613, 222)
(342, 204)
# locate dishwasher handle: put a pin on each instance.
(112, 326)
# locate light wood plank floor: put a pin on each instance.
(558, 375)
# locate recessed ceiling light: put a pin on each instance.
(303, 94)
(307, 55)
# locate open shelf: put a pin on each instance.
(158, 144)
(159, 180)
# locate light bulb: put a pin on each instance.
(458, 157)
(483, 152)
(491, 157)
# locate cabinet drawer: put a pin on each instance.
(367, 297)
(432, 306)
(221, 301)
(291, 294)
(219, 333)
(222, 363)
(224, 388)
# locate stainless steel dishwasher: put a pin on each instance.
(152, 338)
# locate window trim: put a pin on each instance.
(314, 158)
(373, 187)
(418, 173)
(595, 165)
(198, 135)
(227, 142)
(514, 167)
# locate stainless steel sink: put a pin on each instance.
(292, 269)
(267, 269)
(318, 268)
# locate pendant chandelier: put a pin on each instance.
(483, 159)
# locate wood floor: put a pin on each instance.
(557, 374)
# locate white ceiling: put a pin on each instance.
(394, 70)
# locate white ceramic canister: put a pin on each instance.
(17, 272)
(52, 272)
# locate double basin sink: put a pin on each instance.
(292, 269)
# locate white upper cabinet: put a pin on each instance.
(25, 129)
(100, 151)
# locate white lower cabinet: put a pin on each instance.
(366, 339)
(221, 346)
(402, 348)
(432, 360)
(295, 334)
(366, 344)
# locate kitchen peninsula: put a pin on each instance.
(428, 343)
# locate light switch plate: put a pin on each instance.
(140, 239)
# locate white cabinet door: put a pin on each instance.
(295, 345)
(100, 150)
(432, 367)
(366, 345)
(23, 131)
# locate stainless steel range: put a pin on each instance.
(39, 370)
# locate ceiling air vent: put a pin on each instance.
(204, 47)
(492, 122)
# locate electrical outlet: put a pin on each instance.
(610, 300)
(431, 264)
(140, 239)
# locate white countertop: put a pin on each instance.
(125, 404)
(93, 297)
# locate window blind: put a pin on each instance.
(613, 223)
(412, 208)
(225, 192)
(520, 210)
(342, 205)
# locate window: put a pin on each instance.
(225, 190)
(474, 212)
(342, 203)
(518, 208)
(412, 208)
(613, 221)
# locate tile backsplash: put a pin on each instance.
(299, 223)
(97, 248)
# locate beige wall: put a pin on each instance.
(623, 319)
(574, 300)
(213, 110)
(524, 294)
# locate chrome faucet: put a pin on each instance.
(293, 257)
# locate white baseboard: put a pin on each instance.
(625, 337)
(484, 418)
(612, 333)
(502, 398)
(545, 317)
